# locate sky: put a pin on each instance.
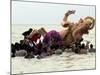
(47, 13)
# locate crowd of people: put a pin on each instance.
(30, 48)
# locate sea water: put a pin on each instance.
(63, 62)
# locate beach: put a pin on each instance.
(64, 62)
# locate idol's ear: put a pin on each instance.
(91, 21)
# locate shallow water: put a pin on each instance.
(65, 61)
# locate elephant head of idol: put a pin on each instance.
(89, 22)
(83, 27)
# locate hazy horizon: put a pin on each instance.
(45, 13)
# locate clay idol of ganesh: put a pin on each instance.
(72, 32)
